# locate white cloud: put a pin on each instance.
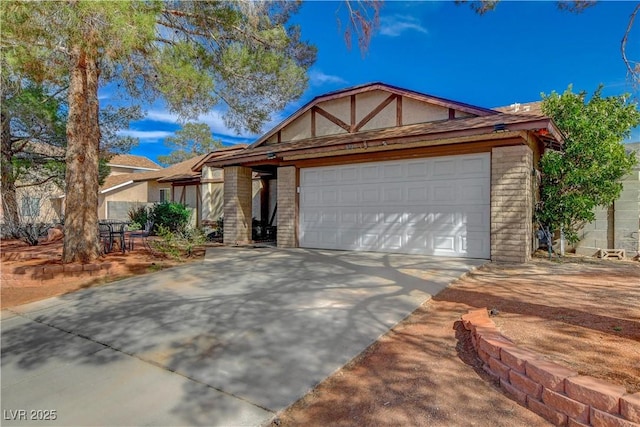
(146, 135)
(213, 119)
(319, 78)
(216, 123)
(394, 26)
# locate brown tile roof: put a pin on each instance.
(132, 161)
(182, 170)
(186, 170)
(465, 127)
(220, 152)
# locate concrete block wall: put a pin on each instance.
(556, 393)
(616, 228)
(237, 205)
(595, 234)
(286, 216)
(511, 204)
(627, 215)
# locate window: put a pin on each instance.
(165, 195)
(30, 206)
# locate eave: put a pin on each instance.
(424, 134)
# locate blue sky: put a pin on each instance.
(512, 54)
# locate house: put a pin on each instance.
(39, 194)
(381, 168)
(145, 185)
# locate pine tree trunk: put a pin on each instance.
(83, 140)
(9, 198)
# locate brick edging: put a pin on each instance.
(40, 274)
(558, 394)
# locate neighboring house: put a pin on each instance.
(180, 183)
(618, 226)
(385, 169)
(39, 197)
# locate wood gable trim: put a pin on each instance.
(352, 92)
(327, 115)
(353, 112)
(376, 111)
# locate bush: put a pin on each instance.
(170, 215)
(138, 216)
(30, 233)
(177, 244)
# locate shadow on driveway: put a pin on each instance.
(230, 340)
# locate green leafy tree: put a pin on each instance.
(34, 139)
(193, 139)
(193, 54)
(587, 172)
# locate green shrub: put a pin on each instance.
(138, 216)
(177, 244)
(170, 215)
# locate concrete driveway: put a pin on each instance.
(227, 341)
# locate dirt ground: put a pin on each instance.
(15, 254)
(584, 314)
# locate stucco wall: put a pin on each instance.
(135, 192)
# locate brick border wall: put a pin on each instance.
(511, 204)
(28, 276)
(558, 394)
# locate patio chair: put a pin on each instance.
(142, 235)
(118, 230)
(105, 236)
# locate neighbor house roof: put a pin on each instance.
(133, 162)
(527, 108)
(182, 171)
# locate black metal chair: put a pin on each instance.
(106, 237)
(118, 230)
(142, 235)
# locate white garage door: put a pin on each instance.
(434, 206)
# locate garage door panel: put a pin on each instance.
(417, 194)
(392, 194)
(444, 168)
(443, 193)
(473, 167)
(349, 195)
(370, 173)
(349, 175)
(436, 206)
(444, 242)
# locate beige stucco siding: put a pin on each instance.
(325, 127)
(212, 201)
(135, 192)
(368, 101)
(419, 112)
(338, 107)
(298, 129)
(153, 191)
(384, 119)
